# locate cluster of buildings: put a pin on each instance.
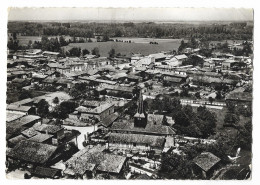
(119, 148)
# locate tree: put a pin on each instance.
(78, 90)
(85, 52)
(43, 108)
(231, 119)
(211, 100)
(66, 107)
(56, 100)
(62, 41)
(175, 166)
(112, 53)
(95, 51)
(218, 95)
(197, 95)
(76, 52)
(105, 38)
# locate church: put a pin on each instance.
(146, 132)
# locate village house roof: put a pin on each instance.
(158, 55)
(180, 57)
(206, 161)
(30, 132)
(87, 159)
(50, 129)
(149, 129)
(143, 177)
(240, 96)
(17, 139)
(46, 172)
(92, 103)
(154, 141)
(11, 116)
(173, 74)
(63, 81)
(33, 152)
(40, 137)
(101, 108)
(22, 102)
(14, 129)
(74, 122)
(19, 108)
(53, 65)
(40, 76)
(83, 109)
(120, 88)
(50, 80)
(109, 120)
(173, 79)
(19, 80)
(27, 119)
(50, 53)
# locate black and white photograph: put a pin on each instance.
(129, 93)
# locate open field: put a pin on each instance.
(139, 46)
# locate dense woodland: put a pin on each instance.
(208, 31)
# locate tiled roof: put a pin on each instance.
(179, 57)
(87, 159)
(30, 132)
(155, 141)
(17, 139)
(18, 108)
(22, 102)
(40, 137)
(206, 160)
(51, 129)
(32, 151)
(109, 120)
(149, 129)
(46, 172)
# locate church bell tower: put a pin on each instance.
(140, 118)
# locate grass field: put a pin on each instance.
(139, 46)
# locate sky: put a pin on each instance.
(131, 14)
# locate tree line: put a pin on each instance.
(213, 31)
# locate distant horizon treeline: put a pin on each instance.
(213, 32)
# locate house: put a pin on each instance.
(11, 115)
(101, 112)
(33, 153)
(181, 58)
(157, 57)
(42, 138)
(106, 123)
(24, 102)
(56, 130)
(50, 54)
(46, 172)
(206, 161)
(135, 142)
(20, 108)
(228, 64)
(89, 162)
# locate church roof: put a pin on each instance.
(149, 129)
